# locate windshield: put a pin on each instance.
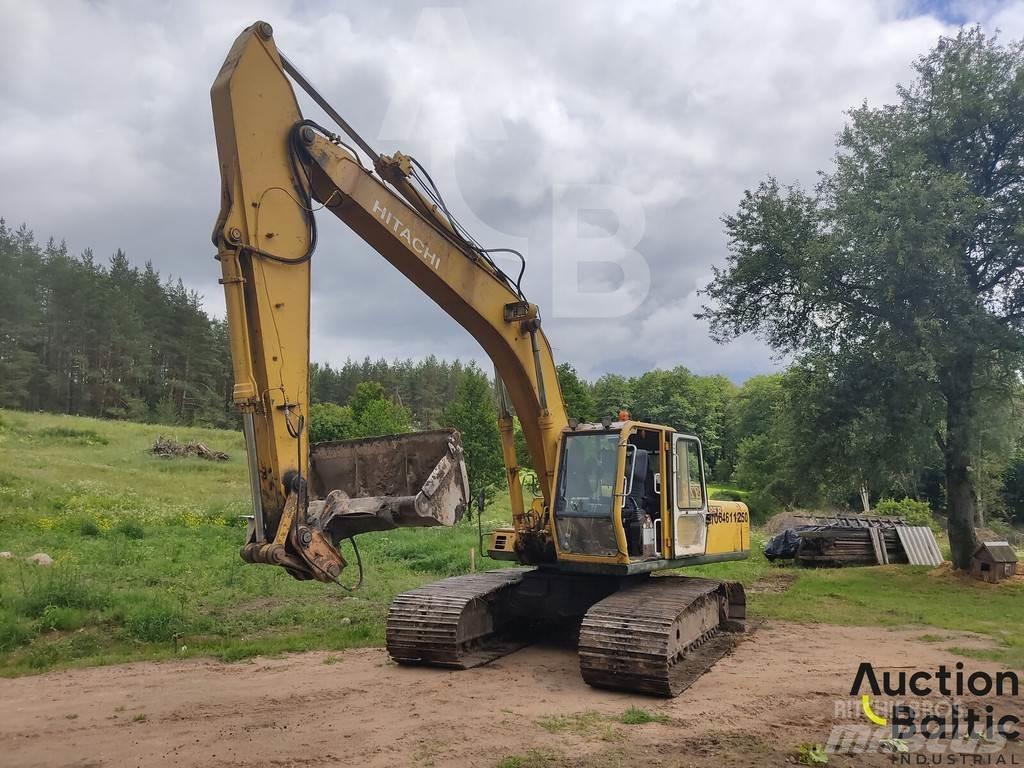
(586, 483)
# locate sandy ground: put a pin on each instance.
(780, 688)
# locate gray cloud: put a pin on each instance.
(108, 142)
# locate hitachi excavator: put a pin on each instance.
(616, 502)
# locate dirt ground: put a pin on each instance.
(779, 689)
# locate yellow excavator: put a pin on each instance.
(617, 501)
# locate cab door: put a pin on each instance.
(689, 503)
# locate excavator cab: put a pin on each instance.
(631, 497)
(609, 493)
(611, 507)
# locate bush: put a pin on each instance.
(329, 421)
(154, 622)
(43, 656)
(13, 631)
(913, 511)
(58, 588)
(74, 436)
(61, 618)
(130, 529)
(762, 505)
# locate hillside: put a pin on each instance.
(146, 563)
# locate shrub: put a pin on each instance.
(13, 631)
(329, 421)
(58, 587)
(130, 529)
(61, 618)
(1000, 527)
(913, 511)
(762, 505)
(41, 656)
(74, 436)
(154, 622)
(811, 754)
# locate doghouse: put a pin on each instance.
(994, 561)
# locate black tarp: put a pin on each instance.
(785, 545)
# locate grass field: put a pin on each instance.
(147, 563)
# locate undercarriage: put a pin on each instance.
(645, 634)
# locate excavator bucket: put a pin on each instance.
(395, 481)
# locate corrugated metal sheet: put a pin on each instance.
(919, 543)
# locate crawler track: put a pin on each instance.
(660, 635)
(458, 622)
(656, 635)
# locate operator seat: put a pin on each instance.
(640, 502)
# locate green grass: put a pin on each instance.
(638, 716)
(146, 553)
(811, 754)
(587, 724)
(535, 758)
(147, 563)
(887, 596)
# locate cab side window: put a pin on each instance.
(690, 492)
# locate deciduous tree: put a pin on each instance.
(915, 241)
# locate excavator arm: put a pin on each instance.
(631, 498)
(277, 169)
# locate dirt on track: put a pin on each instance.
(779, 689)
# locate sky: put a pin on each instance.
(604, 140)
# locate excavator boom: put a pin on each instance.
(616, 501)
(266, 236)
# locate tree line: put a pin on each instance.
(818, 436)
(799, 438)
(116, 341)
(105, 339)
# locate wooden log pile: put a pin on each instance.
(168, 447)
(834, 546)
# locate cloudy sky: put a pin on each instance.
(603, 139)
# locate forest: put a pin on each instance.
(110, 339)
(105, 338)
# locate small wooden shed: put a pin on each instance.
(994, 561)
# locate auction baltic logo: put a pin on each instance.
(904, 718)
(964, 730)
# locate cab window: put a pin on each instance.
(690, 492)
